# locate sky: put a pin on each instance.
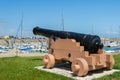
(98, 17)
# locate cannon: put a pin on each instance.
(91, 42)
(83, 51)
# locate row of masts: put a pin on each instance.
(108, 34)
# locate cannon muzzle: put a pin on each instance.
(91, 43)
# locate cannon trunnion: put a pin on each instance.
(71, 47)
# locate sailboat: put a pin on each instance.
(22, 46)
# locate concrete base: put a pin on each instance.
(67, 72)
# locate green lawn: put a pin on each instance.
(19, 68)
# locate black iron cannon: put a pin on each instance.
(91, 43)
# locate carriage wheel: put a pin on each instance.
(49, 61)
(80, 67)
(111, 63)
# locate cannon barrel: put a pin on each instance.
(91, 43)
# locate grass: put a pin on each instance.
(22, 68)
(19, 68)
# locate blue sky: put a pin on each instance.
(99, 17)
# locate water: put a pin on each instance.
(30, 50)
(107, 48)
(3, 50)
(112, 49)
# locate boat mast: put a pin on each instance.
(92, 29)
(119, 32)
(21, 26)
(62, 22)
(21, 31)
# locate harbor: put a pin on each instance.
(111, 45)
(28, 47)
(39, 45)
